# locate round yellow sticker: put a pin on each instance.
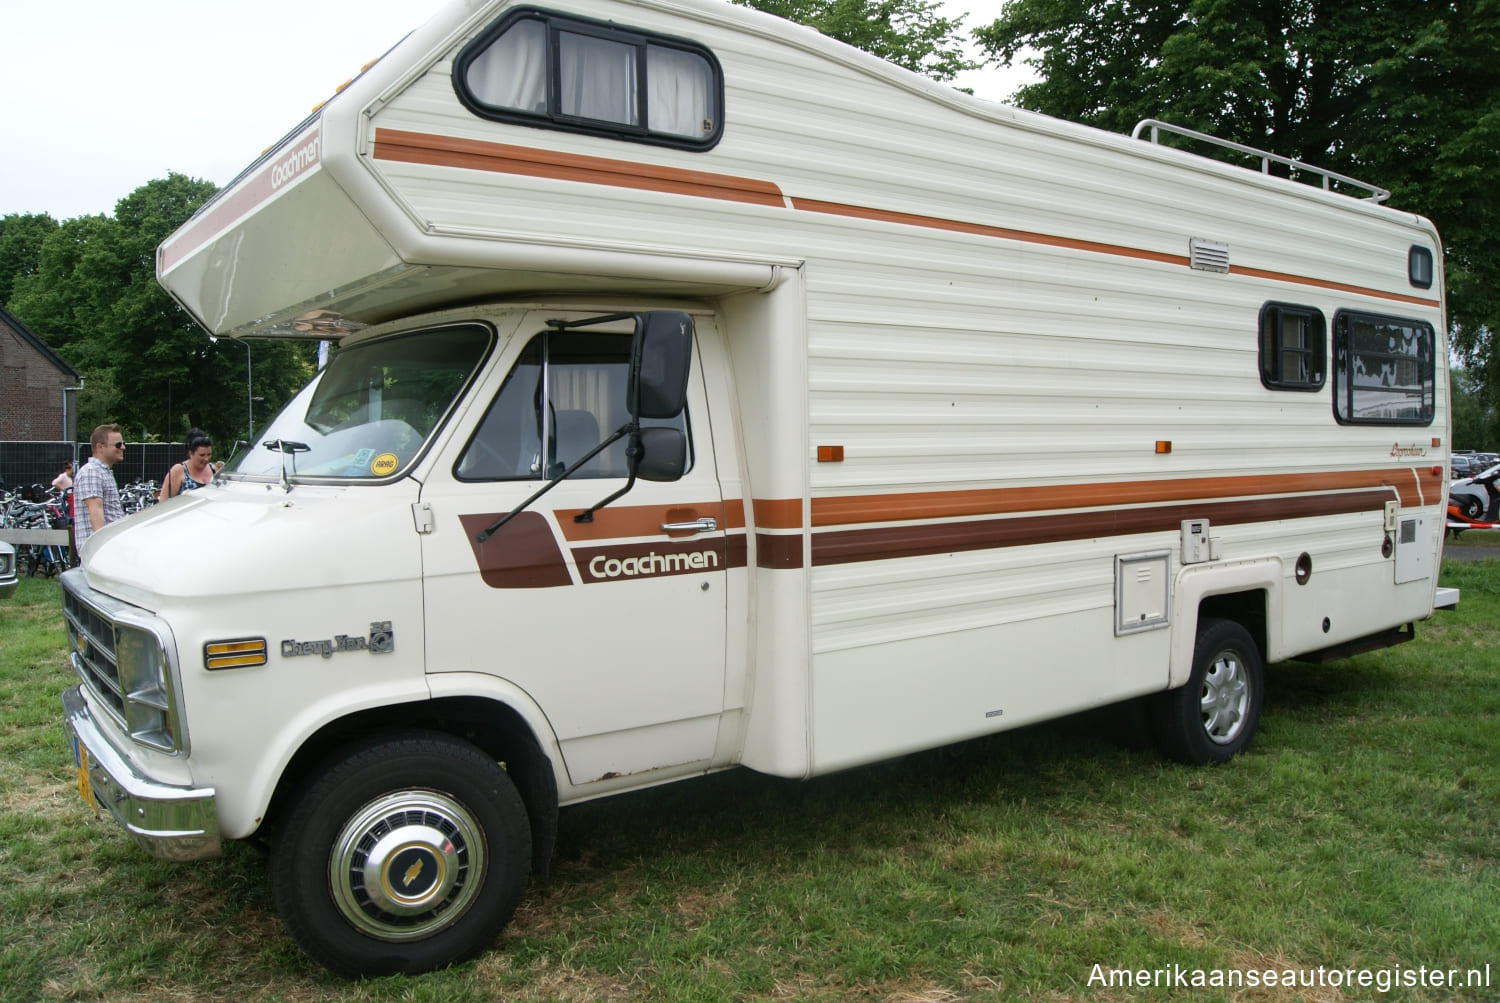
(383, 464)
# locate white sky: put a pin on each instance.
(101, 96)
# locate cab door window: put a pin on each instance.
(564, 396)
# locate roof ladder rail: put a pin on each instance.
(1156, 126)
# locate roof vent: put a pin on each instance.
(1208, 255)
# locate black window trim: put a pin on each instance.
(1319, 351)
(1428, 377)
(553, 22)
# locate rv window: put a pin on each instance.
(536, 68)
(1292, 347)
(566, 390)
(1383, 372)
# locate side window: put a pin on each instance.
(1383, 371)
(1293, 347)
(564, 396)
(542, 69)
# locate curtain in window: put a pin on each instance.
(512, 72)
(679, 91)
(598, 79)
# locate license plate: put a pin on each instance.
(85, 787)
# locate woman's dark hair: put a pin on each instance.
(196, 439)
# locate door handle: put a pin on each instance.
(705, 525)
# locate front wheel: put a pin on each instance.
(1214, 716)
(404, 854)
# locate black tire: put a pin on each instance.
(419, 807)
(1469, 506)
(1213, 717)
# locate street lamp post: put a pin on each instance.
(249, 398)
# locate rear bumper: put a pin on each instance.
(174, 823)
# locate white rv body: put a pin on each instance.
(977, 412)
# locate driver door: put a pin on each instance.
(613, 627)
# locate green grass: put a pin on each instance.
(1361, 831)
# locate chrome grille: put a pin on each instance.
(91, 636)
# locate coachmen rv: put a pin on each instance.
(707, 393)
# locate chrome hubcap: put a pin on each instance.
(1226, 697)
(407, 864)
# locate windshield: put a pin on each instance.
(370, 412)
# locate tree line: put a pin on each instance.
(1402, 93)
(87, 287)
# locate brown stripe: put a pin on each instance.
(284, 167)
(523, 554)
(843, 547)
(449, 151)
(658, 559)
(997, 501)
(776, 552)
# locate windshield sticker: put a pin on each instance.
(384, 465)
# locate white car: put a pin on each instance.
(7, 570)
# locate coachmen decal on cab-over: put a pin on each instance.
(380, 640)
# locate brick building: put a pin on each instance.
(32, 380)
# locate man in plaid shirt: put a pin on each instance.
(96, 497)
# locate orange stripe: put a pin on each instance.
(777, 513)
(620, 522)
(983, 230)
(1405, 482)
(448, 151)
(1261, 273)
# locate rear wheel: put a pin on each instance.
(1214, 716)
(1468, 506)
(403, 854)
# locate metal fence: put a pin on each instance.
(25, 463)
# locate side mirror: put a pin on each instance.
(663, 455)
(659, 361)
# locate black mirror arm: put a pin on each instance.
(632, 457)
(624, 430)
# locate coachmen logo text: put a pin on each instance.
(381, 639)
(602, 567)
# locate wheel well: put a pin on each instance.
(1248, 609)
(493, 727)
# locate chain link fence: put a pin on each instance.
(23, 464)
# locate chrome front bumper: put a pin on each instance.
(174, 823)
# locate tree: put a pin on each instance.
(909, 33)
(92, 294)
(21, 239)
(1405, 94)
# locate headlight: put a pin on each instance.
(142, 665)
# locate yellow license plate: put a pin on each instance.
(85, 787)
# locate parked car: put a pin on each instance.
(7, 570)
(1460, 465)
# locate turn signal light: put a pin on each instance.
(239, 654)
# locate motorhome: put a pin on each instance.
(706, 393)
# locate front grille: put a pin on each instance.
(92, 637)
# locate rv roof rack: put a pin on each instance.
(1156, 126)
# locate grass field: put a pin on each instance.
(1360, 833)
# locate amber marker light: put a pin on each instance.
(1163, 446)
(238, 654)
(830, 454)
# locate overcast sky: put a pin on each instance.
(102, 96)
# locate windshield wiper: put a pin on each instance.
(287, 447)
